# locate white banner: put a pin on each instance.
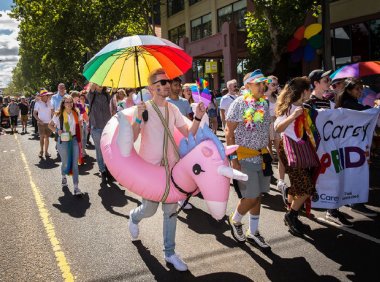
(346, 137)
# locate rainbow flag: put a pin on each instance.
(204, 96)
(202, 83)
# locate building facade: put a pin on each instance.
(212, 32)
(355, 31)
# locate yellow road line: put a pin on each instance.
(48, 224)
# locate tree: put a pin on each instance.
(270, 26)
(57, 37)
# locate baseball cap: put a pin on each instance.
(255, 77)
(317, 75)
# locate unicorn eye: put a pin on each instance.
(197, 169)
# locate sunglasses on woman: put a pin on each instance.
(163, 81)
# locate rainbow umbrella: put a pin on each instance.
(357, 70)
(127, 62)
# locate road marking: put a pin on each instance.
(48, 224)
(350, 230)
(8, 197)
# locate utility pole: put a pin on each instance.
(327, 63)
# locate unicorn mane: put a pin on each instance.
(203, 133)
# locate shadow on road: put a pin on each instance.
(162, 274)
(73, 205)
(203, 223)
(47, 163)
(341, 247)
(113, 196)
(87, 166)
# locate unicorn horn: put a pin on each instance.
(232, 173)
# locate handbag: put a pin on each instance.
(300, 154)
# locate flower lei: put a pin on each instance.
(255, 113)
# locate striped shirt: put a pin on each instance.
(315, 103)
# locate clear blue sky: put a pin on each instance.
(5, 5)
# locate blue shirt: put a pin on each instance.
(182, 104)
(56, 101)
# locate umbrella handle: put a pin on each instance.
(145, 115)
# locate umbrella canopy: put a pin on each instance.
(127, 62)
(357, 70)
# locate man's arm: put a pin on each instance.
(230, 140)
(223, 117)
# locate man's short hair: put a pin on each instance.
(231, 82)
(177, 79)
(61, 84)
(74, 93)
(153, 75)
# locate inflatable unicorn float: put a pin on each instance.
(202, 167)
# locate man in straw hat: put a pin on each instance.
(42, 113)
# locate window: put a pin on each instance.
(192, 2)
(374, 27)
(177, 33)
(175, 6)
(356, 42)
(201, 27)
(234, 12)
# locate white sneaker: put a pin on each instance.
(77, 192)
(133, 228)
(280, 185)
(187, 207)
(257, 239)
(177, 262)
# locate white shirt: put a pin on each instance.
(44, 111)
(71, 121)
(289, 131)
(226, 101)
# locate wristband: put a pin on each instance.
(232, 157)
(138, 120)
(197, 119)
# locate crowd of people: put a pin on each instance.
(259, 116)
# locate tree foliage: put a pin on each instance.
(57, 37)
(271, 25)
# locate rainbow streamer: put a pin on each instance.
(202, 83)
(305, 123)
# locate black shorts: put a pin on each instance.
(14, 120)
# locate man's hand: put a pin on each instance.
(140, 109)
(200, 110)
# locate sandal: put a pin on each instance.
(40, 154)
(47, 155)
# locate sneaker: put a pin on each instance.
(294, 226)
(236, 230)
(177, 262)
(284, 193)
(257, 239)
(337, 217)
(64, 181)
(187, 207)
(362, 209)
(77, 192)
(280, 184)
(133, 228)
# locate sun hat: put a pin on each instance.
(255, 77)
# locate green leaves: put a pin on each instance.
(57, 37)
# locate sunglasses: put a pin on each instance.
(163, 81)
(68, 102)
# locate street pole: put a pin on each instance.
(327, 63)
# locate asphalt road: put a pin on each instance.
(47, 234)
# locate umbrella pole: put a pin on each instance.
(145, 113)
